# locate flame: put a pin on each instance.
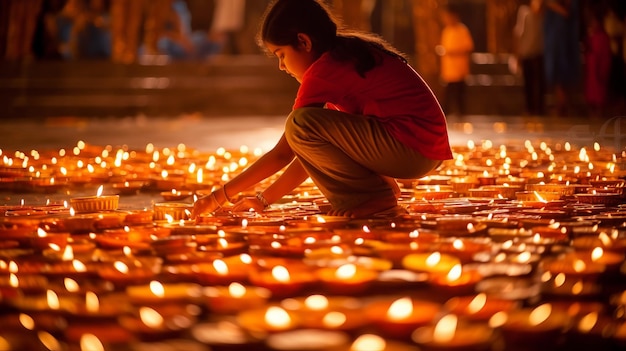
(41, 233)
(400, 309)
(369, 342)
(91, 302)
(79, 266)
(346, 271)
(70, 285)
(445, 329)
(577, 288)
(477, 303)
(277, 317)
(199, 176)
(458, 243)
(588, 322)
(579, 266)
(316, 302)
(281, 274)
(90, 342)
(13, 267)
(68, 253)
(540, 314)
(455, 273)
(433, 259)
(320, 219)
(53, 300)
(220, 267)
(236, 290)
(121, 267)
(150, 317)
(539, 197)
(498, 319)
(334, 319)
(559, 280)
(72, 211)
(99, 192)
(157, 288)
(14, 282)
(596, 254)
(27, 322)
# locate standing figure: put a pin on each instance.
(455, 49)
(362, 118)
(529, 50)
(561, 50)
(597, 66)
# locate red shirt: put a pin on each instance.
(391, 91)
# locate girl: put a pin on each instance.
(362, 117)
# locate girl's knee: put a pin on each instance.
(298, 123)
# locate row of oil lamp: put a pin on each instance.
(510, 269)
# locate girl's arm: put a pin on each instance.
(293, 176)
(270, 163)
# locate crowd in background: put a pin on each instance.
(559, 44)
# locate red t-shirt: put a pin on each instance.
(392, 91)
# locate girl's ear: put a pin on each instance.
(304, 42)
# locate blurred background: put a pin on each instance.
(98, 58)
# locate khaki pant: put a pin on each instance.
(348, 156)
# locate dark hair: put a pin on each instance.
(284, 19)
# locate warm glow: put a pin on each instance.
(369, 342)
(91, 302)
(90, 342)
(320, 219)
(150, 317)
(99, 193)
(53, 300)
(458, 244)
(71, 285)
(79, 266)
(588, 322)
(477, 303)
(596, 254)
(13, 281)
(540, 314)
(157, 288)
(27, 322)
(334, 319)
(539, 197)
(121, 267)
(281, 274)
(455, 273)
(68, 253)
(220, 267)
(41, 233)
(498, 319)
(316, 302)
(433, 259)
(579, 266)
(236, 290)
(445, 329)
(277, 317)
(400, 309)
(346, 271)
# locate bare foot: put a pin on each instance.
(366, 209)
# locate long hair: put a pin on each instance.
(284, 19)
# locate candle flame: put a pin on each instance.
(458, 244)
(400, 309)
(99, 192)
(79, 266)
(70, 285)
(477, 303)
(26, 321)
(316, 302)
(91, 302)
(220, 267)
(320, 219)
(588, 322)
(579, 266)
(540, 314)
(68, 253)
(53, 300)
(445, 329)
(334, 319)
(236, 290)
(281, 274)
(455, 273)
(150, 317)
(41, 233)
(13, 280)
(433, 259)
(369, 342)
(90, 342)
(346, 271)
(277, 317)
(121, 267)
(596, 254)
(157, 288)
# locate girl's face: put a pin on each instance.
(294, 60)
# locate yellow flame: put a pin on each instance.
(277, 317)
(236, 290)
(150, 317)
(346, 271)
(91, 302)
(316, 302)
(445, 329)
(281, 274)
(220, 267)
(369, 342)
(455, 273)
(477, 303)
(157, 288)
(433, 259)
(540, 314)
(400, 309)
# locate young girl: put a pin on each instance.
(362, 117)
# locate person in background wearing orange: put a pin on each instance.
(455, 49)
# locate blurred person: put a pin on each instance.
(562, 50)
(126, 23)
(597, 66)
(18, 22)
(228, 20)
(179, 41)
(92, 32)
(455, 48)
(529, 52)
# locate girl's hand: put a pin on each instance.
(248, 203)
(205, 204)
